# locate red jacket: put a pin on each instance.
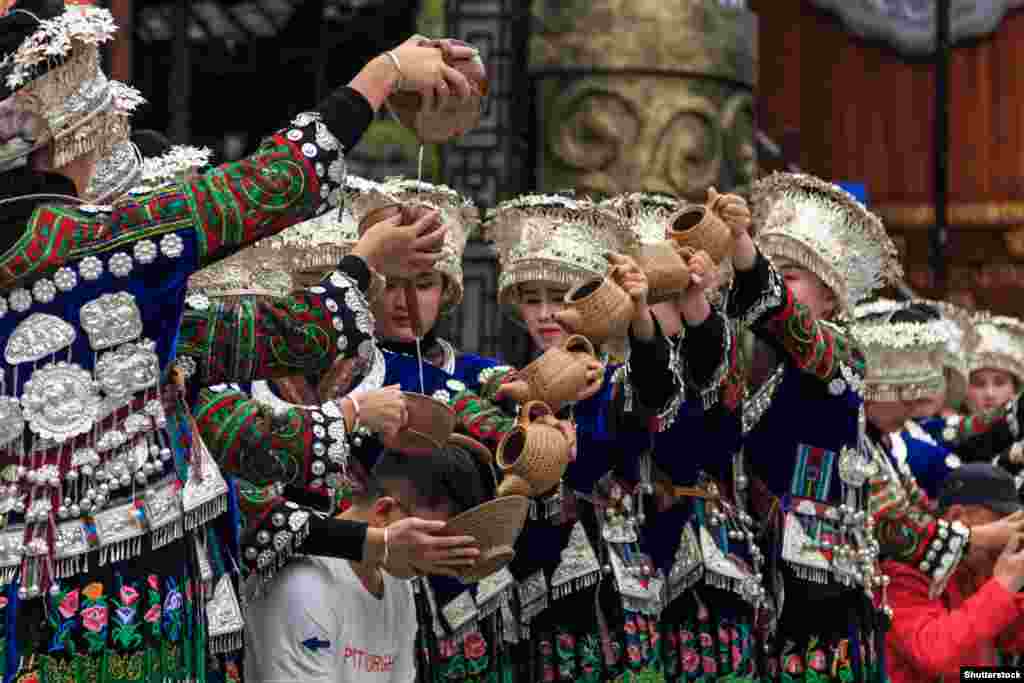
(930, 638)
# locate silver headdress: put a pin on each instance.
(549, 238)
(73, 96)
(904, 360)
(274, 266)
(458, 214)
(119, 171)
(821, 227)
(999, 345)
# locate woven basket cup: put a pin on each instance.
(559, 375)
(431, 423)
(534, 450)
(667, 273)
(700, 228)
(599, 309)
(495, 525)
(439, 125)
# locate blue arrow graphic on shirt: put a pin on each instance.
(316, 644)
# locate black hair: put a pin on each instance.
(447, 476)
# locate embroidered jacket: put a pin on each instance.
(683, 535)
(115, 486)
(820, 381)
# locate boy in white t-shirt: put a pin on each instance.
(340, 621)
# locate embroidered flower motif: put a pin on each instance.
(474, 646)
(690, 660)
(69, 605)
(793, 665)
(173, 600)
(153, 582)
(152, 614)
(3, 601)
(94, 591)
(129, 595)
(566, 641)
(685, 637)
(125, 615)
(816, 660)
(709, 664)
(94, 618)
(706, 640)
(737, 658)
(447, 648)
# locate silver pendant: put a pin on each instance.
(129, 369)
(37, 337)
(60, 401)
(12, 423)
(111, 319)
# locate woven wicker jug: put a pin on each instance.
(598, 309)
(664, 264)
(699, 228)
(535, 450)
(557, 377)
(496, 526)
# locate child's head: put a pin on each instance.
(435, 486)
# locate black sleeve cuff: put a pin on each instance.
(749, 287)
(649, 369)
(343, 539)
(704, 346)
(347, 114)
(356, 268)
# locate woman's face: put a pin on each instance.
(392, 315)
(930, 406)
(810, 291)
(538, 304)
(989, 388)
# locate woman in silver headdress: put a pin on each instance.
(103, 552)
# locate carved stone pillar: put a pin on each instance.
(644, 95)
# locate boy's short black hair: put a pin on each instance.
(448, 476)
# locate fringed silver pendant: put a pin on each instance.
(225, 624)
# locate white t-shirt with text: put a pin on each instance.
(318, 623)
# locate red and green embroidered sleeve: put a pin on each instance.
(762, 301)
(268, 337)
(303, 447)
(478, 414)
(907, 525)
(296, 174)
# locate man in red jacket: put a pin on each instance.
(980, 614)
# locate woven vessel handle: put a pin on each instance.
(578, 341)
(526, 412)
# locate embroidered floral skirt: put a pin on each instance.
(134, 621)
(825, 636)
(709, 635)
(480, 656)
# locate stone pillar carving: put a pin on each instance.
(644, 95)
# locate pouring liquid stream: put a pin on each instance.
(412, 303)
